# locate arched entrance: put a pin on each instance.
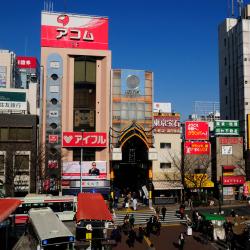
(132, 172)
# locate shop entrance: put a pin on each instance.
(132, 172)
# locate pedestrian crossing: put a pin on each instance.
(142, 216)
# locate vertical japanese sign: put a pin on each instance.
(74, 31)
(3, 76)
(84, 139)
(196, 130)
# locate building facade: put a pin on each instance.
(75, 111)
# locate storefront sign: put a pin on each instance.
(13, 101)
(226, 150)
(84, 139)
(227, 131)
(196, 130)
(90, 184)
(93, 170)
(226, 124)
(233, 180)
(167, 123)
(230, 140)
(26, 62)
(74, 31)
(194, 148)
(53, 138)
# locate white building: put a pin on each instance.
(234, 68)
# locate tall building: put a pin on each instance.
(75, 107)
(234, 68)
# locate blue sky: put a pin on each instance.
(177, 40)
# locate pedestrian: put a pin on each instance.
(163, 212)
(135, 203)
(181, 212)
(233, 214)
(140, 234)
(131, 238)
(157, 211)
(132, 220)
(181, 241)
(190, 202)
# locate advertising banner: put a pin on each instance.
(196, 130)
(74, 31)
(3, 76)
(233, 180)
(90, 183)
(92, 170)
(24, 62)
(230, 140)
(161, 107)
(53, 138)
(167, 123)
(84, 139)
(196, 148)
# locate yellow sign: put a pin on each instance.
(88, 236)
(198, 181)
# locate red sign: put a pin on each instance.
(53, 138)
(25, 62)
(167, 124)
(74, 31)
(233, 180)
(196, 130)
(84, 139)
(197, 148)
(230, 140)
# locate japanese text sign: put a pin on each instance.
(26, 62)
(196, 130)
(198, 148)
(74, 31)
(84, 139)
(233, 180)
(167, 124)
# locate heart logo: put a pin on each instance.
(63, 19)
(68, 139)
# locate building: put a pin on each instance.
(75, 112)
(29, 71)
(167, 181)
(8, 69)
(234, 68)
(131, 131)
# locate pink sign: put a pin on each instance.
(84, 139)
(74, 31)
(233, 180)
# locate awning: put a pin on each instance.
(91, 206)
(7, 207)
(167, 185)
(229, 167)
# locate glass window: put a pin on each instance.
(1, 164)
(90, 71)
(22, 163)
(16, 134)
(165, 145)
(79, 73)
(4, 134)
(165, 165)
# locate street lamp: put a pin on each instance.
(82, 130)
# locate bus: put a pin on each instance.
(64, 206)
(47, 231)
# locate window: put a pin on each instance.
(54, 77)
(15, 134)
(1, 164)
(54, 101)
(22, 164)
(165, 165)
(165, 145)
(4, 134)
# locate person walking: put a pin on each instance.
(181, 241)
(132, 220)
(135, 203)
(163, 212)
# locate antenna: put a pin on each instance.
(232, 7)
(240, 5)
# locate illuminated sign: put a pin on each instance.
(196, 130)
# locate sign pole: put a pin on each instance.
(81, 164)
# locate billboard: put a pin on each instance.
(3, 76)
(74, 31)
(24, 62)
(91, 170)
(196, 130)
(196, 148)
(162, 107)
(13, 101)
(226, 127)
(84, 139)
(167, 123)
